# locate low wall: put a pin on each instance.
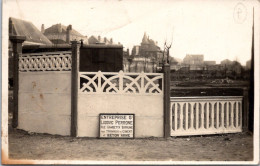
(45, 102)
(44, 95)
(147, 105)
(147, 109)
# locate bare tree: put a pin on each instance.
(167, 45)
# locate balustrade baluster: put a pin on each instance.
(181, 115)
(191, 115)
(202, 114)
(171, 109)
(227, 115)
(212, 114)
(240, 112)
(207, 116)
(217, 114)
(222, 114)
(232, 114)
(175, 116)
(187, 116)
(236, 114)
(197, 116)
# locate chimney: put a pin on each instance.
(68, 34)
(127, 51)
(11, 27)
(105, 40)
(59, 28)
(111, 41)
(42, 29)
(86, 40)
(99, 39)
(81, 42)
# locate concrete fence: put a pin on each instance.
(52, 96)
(44, 97)
(112, 92)
(205, 115)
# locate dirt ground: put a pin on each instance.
(229, 147)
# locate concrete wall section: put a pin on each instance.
(45, 102)
(148, 110)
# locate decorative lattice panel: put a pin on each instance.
(49, 61)
(120, 83)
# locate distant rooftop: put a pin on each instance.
(25, 28)
(59, 28)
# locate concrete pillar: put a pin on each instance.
(245, 110)
(17, 50)
(74, 86)
(166, 100)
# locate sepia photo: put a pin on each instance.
(130, 82)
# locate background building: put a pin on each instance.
(60, 34)
(99, 40)
(145, 57)
(193, 59)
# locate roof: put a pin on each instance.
(226, 60)
(59, 28)
(48, 46)
(27, 29)
(173, 59)
(31, 43)
(189, 57)
(94, 40)
(103, 46)
(145, 39)
(152, 45)
(194, 56)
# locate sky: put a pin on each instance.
(217, 29)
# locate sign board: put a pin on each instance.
(116, 125)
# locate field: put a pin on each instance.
(211, 87)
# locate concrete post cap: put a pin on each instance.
(166, 64)
(75, 42)
(18, 39)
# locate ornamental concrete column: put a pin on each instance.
(166, 100)
(75, 46)
(17, 51)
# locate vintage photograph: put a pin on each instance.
(130, 82)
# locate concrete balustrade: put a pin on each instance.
(205, 115)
